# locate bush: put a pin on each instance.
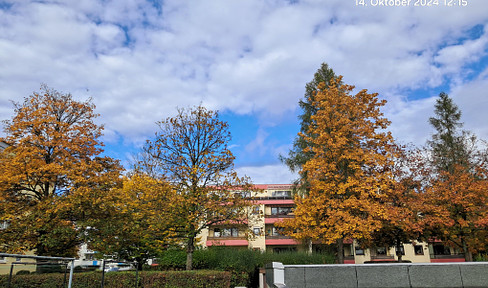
(242, 263)
(84, 268)
(23, 272)
(172, 259)
(169, 279)
(50, 268)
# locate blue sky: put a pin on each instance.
(249, 59)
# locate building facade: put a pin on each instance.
(274, 203)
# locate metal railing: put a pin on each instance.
(63, 259)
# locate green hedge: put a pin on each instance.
(224, 258)
(149, 279)
(242, 263)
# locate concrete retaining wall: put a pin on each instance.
(404, 275)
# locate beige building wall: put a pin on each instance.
(6, 264)
(257, 241)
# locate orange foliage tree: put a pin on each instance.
(349, 172)
(52, 156)
(190, 152)
(402, 222)
(455, 210)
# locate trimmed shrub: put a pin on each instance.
(169, 279)
(23, 272)
(243, 264)
(50, 268)
(172, 259)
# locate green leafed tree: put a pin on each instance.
(455, 199)
(299, 154)
(450, 146)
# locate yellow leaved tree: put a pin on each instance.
(190, 152)
(136, 226)
(350, 171)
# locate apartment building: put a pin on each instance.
(275, 203)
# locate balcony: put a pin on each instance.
(274, 200)
(227, 241)
(272, 220)
(447, 258)
(280, 240)
(380, 258)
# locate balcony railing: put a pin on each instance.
(455, 256)
(382, 257)
(273, 198)
(277, 237)
(225, 238)
(279, 215)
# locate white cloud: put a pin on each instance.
(472, 100)
(139, 60)
(268, 174)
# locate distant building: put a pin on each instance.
(275, 203)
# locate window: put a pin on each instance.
(285, 194)
(244, 194)
(256, 231)
(281, 210)
(275, 231)
(381, 251)
(440, 249)
(226, 232)
(418, 249)
(359, 250)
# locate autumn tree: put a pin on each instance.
(299, 154)
(190, 151)
(138, 214)
(455, 199)
(349, 170)
(52, 156)
(401, 223)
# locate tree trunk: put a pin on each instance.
(340, 251)
(398, 250)
(310, 248)
(468, 257)
(189, 253)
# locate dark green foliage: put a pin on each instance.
(50, 268)
(78, 269)
(297, 155)
(23, 272)
(168, 279)
(450, 145)
(242, 263)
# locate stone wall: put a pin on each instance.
(404, 275)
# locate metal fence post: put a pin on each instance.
(10, 275)
(137, 274)
(103, 272)
(71, 270)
